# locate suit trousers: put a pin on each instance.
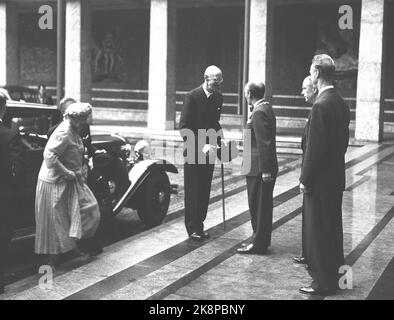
(303, 227)
(260, 200)
(197, 181)
(6, 228)
(323, 238)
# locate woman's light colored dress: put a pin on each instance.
(65, 210)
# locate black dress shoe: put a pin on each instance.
(95, 251)
(251, 249)
(199, 236)
(205, 235)
(317, 292)
(299, 260)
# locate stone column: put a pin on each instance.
(9, 50)
(161, 101)
(78, 78)
(258, 40)
(369, 110)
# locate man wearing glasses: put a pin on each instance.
(200, 119)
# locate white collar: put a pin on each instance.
(207, 93)
(257, 102)
(324, 89)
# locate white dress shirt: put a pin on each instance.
(207, 93)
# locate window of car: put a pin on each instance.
(34, 124)
(30, 96)
(16, 95)
(35, 120)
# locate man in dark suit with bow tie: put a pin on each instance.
(323, 180)
(199, 126)
(260, 165)
(11, 172)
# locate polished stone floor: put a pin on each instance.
(162, 263)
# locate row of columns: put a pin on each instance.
(162, 102)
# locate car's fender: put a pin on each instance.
(137, 175)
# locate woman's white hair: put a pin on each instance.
(78, 110)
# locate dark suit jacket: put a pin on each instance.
(303, 139)
(12, 166)
(303, 146)
(260, 151)
(326, 142)
(199, 112)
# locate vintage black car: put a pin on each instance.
(119, 178)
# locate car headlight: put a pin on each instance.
(126, 150)
(142, 150)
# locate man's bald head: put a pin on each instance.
(213, 78)
(309, 91)
(307, 81)
(254, 91)
(212, 71)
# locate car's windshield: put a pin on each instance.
(28, 122)
(37, 125)
(15, 95)
(30, 96)
(23, 95)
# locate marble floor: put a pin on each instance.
(162, 263)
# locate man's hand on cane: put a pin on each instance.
(267, 177)
(302, 188)
(207, 148)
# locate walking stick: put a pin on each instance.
(223, 202)
(223, 158)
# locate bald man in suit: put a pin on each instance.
(260, 166)
(201, 113)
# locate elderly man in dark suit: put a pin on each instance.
(260, 165)
(11, 171)
(309, 93)
(323, 180)
(199, 120)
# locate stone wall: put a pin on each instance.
(120, 49)
(37, 51)
(303, 30)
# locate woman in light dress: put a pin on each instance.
(66, 209)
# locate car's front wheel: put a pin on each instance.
(154, 199)
(108, 184)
